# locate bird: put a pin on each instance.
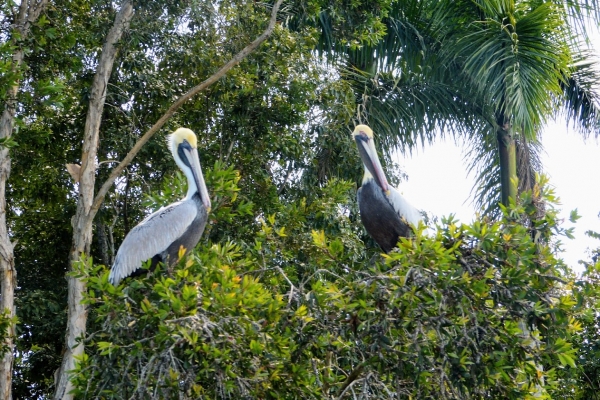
(384, 212)
(162, 234)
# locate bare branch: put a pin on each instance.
(179, 102)
(351, 379)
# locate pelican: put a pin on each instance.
(161, 235)
(384, 212)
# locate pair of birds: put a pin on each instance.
(384, 212)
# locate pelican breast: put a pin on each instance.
(380, 217)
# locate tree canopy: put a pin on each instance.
(286, 296)
(437, 318)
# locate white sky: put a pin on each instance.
(438, 182)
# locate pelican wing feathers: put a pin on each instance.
(403, 208)
(156, 232)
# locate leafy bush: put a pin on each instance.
(479, 311)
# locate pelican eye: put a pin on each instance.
(362, 136)
(186, 144)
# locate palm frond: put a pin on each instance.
(580, 99)
(407, 111)
(517, 57)
(581, 11)
(484, 163)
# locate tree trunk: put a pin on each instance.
(510, 183)
(29, 12)
(82, 224)
(508, 160)
(102, 242)
(7, 262)
(88, 205)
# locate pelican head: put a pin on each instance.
(363, 135)
(184, 146)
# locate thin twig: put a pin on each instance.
(292, 287)
(287, 176)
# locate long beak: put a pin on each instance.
(368, 153)
(194, 160)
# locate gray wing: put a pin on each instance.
(152, 236)
(403, 208)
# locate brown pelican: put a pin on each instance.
(384, 212)
(160, 235)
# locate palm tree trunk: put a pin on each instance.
(508, 160)
(509, 181)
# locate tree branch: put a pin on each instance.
(179, 102)
(351, 379)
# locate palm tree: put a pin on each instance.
(521, 57)
(492, 71)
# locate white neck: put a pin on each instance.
(192, 188)
(367, 175)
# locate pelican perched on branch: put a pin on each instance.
(161, 235)
(384, 212)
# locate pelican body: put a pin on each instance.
(384, 212)
(160, 236)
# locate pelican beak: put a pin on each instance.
(368, 154)
(192, 156)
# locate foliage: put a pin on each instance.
(455, 67)
(584, 382)
(301, 313)
(312, 311)
(588, 342)
(5, 323)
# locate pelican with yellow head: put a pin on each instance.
(160, 235)
(384, 212)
